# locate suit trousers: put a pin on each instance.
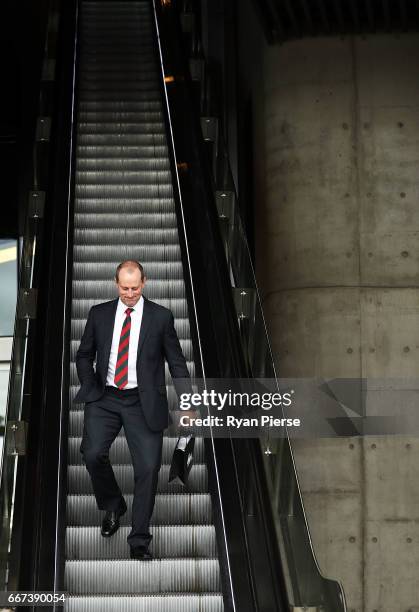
(103, 420)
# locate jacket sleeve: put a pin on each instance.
(175, 358)
(87, 352)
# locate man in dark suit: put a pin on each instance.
(129, 337)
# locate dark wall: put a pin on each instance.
(9, 119)
(22, 40)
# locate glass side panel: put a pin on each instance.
(8, 284)
(305, 583)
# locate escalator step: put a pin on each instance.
(182, 602)
(169, 541)
(123, 105)
(170, 509)
(129, 236)
(149, 95)
(121, 127)
(123, 153)
(105, 271)
(122, 190)
(155, 138)
(104, 164)
(131, 576)
(103, 6)
(96, 68)
(101, 179)
(105, 87)
(115, 253)
(129, 116)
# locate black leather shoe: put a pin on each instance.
(140, 552)
(110, 523)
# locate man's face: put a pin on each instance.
(130, 285)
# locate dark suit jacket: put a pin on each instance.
(158, 340)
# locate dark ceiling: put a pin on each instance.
(285, 19)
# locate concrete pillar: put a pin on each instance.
(338, 263)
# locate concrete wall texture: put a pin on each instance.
(337, 218)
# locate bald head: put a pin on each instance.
(130, 280)
(130, 265)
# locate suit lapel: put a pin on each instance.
(145, 325)
(109, 322)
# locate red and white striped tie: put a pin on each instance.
(121, 368)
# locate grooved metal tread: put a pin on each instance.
(124, 208)
(127, 235)
(170, 508)
(153, 252)
(169, 541)
(103, 271)
(122, 106)
(104, 166)
(122, 152)
(133, 576)
(118, 96)
(181, 602)
(122, 127)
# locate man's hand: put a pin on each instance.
(188, 425)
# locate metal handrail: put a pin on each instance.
(179, 194)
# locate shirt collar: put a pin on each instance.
(137, 308)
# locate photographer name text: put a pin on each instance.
(232, 421)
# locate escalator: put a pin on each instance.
(130, 178)
(124, 209)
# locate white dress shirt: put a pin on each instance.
(136, 318)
